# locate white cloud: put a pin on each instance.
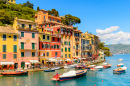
(107, 30)
(114, 38)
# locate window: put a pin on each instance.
(69, 49)
(4, 56)
(58, 21)
(76, 53)
(23, 25)
(45, 25)
(44, 17)
(22, 45)
(47, 53)
(50, 19)
(65, 49)
(54, 46)
(43, 45)
(22, 54)
(33, 54)
(53, 19)
(62, 49)
(65, 55)
(58, 31)
(53, 39)
(69, 55)
(4, 37)
(33, 35)
(11, 0)
(15, 48)
(33, 45)
(43, 36)
(30, 26)
(41, 26)
(73, 47)
(57, 46)
(49, 25)
(55, 53)
(69, 43)
(65, 37)
(58, 39)
(22, 34)
(15, 56)
(48, 38)
(69, 37)
(4, 48)
(15, 38)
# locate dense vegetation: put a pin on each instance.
(119, 48)
(67, 19)
(106, 49)
(10, 11)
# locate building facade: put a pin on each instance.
(28, 42)
(9, 47)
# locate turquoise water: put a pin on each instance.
(92, 78)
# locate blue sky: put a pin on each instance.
(95, 15)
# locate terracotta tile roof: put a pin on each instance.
(7, 29)
(24, 20)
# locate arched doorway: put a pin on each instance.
(22, 65)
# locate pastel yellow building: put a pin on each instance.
(76, 43)
(86, 48)
(9, 48)
(11, 1)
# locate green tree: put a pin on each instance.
(70, 20)
(53, 12)
(28, 4)
(38, 8)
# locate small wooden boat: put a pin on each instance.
(18, 72)
(120, 59)
(99, 68)
(67, 67)
(106, 65)
(49, 70)
(120, 70)
(69, 75)
(120, 65)
(90, 66)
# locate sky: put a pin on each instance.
(108, 19)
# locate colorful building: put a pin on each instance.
(28, 42)
(86, 46)
(9, 47)
(76, 43)
(11, 1)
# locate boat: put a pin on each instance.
(106, 65)
(73, 66)
(80, 67)
(69, 75)
(49, 70)
(120, 59)
(98, 67)
(67, 67)
(120, 65)
(120, 70)
(90, 66)
(17, 72)
(56, 68)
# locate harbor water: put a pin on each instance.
(97, 78)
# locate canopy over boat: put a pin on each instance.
(69, 74)
(124, 68)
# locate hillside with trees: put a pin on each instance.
(119, 48)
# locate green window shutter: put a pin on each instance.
(45, 25)
(22, 54)
(22, 45)
(33, 54)
(65, 49)
(41, 27)
(30, 26)
(69, 49)
(57, 47)
(49, 25)
(33, 46)
(4, 48)
(22, 34)
(4, 56)
(69, 43)
(15, 48)
(33, 35)
(64, 43)
(62, 49)
(15, 56)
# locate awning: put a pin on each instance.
(6, 63)
(27, 63)
(34, 61)
(51, 59)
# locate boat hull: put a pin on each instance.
(118, 72)
(49, 70)
(14, 73)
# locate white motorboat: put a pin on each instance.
(56, 68)
(67, 67)
(73, 66)
(120, 65)
(99, 67)
(120, 59)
